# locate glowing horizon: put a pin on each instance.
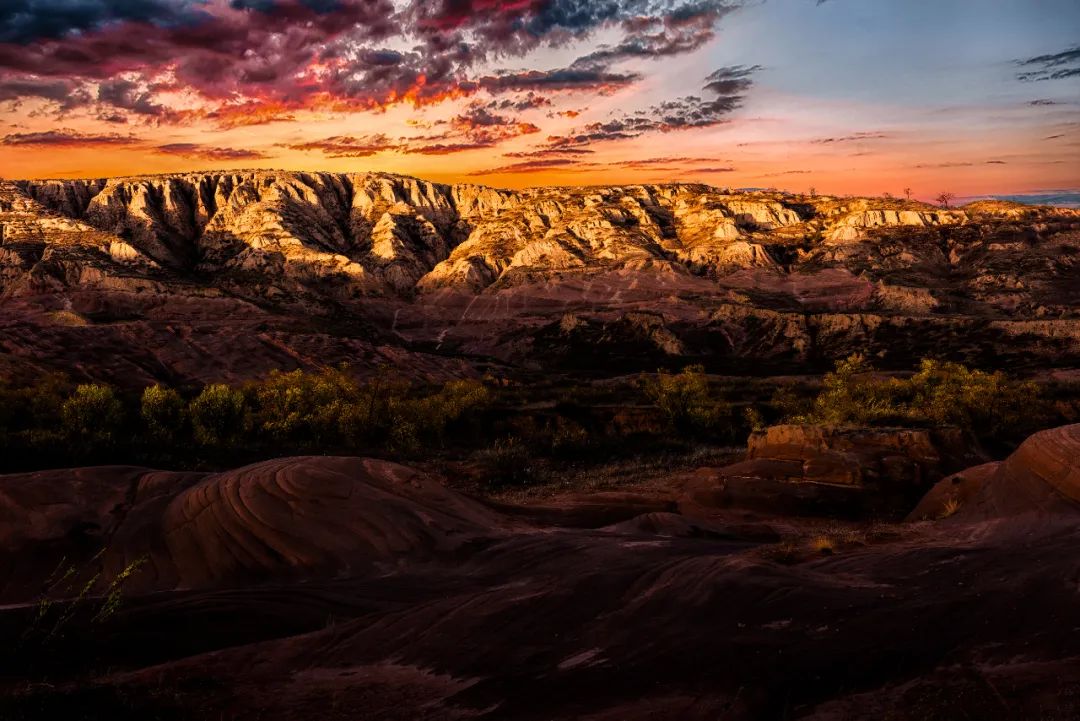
(849, 98)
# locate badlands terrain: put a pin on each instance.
(344, 588)
(522, 517)
(211, 276)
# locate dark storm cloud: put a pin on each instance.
(65, 93)
(23, 21)
(257, 61)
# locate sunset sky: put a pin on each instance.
(848, 96)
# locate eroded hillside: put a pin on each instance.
(644, 272)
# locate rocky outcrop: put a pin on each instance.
(821, 470)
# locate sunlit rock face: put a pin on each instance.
(780, 280)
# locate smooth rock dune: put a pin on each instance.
(286, 518)
(306, 514)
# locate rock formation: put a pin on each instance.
(832, 471)
(765, 277)
(293, 517)
(1041, 477)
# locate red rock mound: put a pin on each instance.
(290, 517)
(1042, 476)
(314, 513)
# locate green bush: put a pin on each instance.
(989, 405)
(684, 401)
(508, 463)
(853, 395)
(218, 415)
(92, 414)
(162, 410)
(307, 408)
(432, 414)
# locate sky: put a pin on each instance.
(973, 97)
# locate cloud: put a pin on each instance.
(594, 80)
(475, 128)
(123, 94)
(249, 62)
(853, 138)
(347, 146)
(549, 152)
(67, 139)
(727, 85)
(527, 166)
(203, 152)
(684, 30)
(66, 94)
(23, 21)
(1055, 66)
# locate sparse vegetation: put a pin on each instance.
(218, 415)
(988, 405)
(950, 508)
(162, 410)
(945, 198)
(685, 402)
(91, 415)
(508, 462)
(561, 426)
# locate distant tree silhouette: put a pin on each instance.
(945, 198)
(907, 193)
(887, 195)
(813, 192)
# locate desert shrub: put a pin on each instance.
(508, 463)
(986, 403)
(989, 405)
(789, 403)
(853, 395)
(684, 401)
(431, 415)
(380, 404)
(162, 411)
(569, 439)
(92, 414)
(306, 408)
(754, 419)
(218, 415)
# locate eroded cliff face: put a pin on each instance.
(493, 272)
(378, 233)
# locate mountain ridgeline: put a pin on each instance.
(641, 271)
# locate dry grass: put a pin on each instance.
(950, 508)
(827, 540)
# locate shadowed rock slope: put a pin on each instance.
(344, 588)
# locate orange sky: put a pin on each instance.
(736, 95)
